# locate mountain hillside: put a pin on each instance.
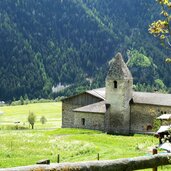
(47, 42)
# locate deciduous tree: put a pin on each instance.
(32, 119)
(162, 27)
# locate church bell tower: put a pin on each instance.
(119, 83)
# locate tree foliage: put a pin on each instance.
(32, 119)
(43, 120)
(138, 59)
(162, 27)
(44, 43)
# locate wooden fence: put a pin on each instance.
(129, 164)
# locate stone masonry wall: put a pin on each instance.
(119, 111)
(72, 103)
(68, 115)
(143, 116)
(92, 121)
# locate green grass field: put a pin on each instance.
(13, 114)
(26, 147)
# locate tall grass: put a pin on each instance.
(25, 147)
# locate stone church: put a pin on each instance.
(115, 108)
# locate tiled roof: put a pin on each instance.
(93, 108)
(100, 92)
(138, 97)
(152, 98)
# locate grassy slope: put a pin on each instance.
(52, 112)
(25, 147)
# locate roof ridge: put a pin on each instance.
(98, 107)
(98, 94)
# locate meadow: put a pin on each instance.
(17, 115)
(26, 146)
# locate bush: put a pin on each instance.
(43, 120)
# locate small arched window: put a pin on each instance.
(149, 127)
(115, 84)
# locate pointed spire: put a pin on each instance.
(118, 69)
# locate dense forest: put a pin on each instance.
(47, 42)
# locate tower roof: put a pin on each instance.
(118, 69)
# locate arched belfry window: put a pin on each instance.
(115, 84)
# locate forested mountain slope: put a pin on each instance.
(47, 42)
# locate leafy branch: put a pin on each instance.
(161, 28)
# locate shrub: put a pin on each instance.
(43, 120)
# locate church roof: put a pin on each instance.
(118, 69)
(138, 97)
(99, 92)
(93, 108)
(152, 98)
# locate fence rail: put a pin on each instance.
(128, 164)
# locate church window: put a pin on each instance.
(83, 121)
(115, 84)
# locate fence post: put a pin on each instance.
(98, 156)
(154, 152)
(58, 158)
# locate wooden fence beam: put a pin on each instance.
(108, 165)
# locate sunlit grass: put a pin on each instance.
(26, 147)
(13, 114)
